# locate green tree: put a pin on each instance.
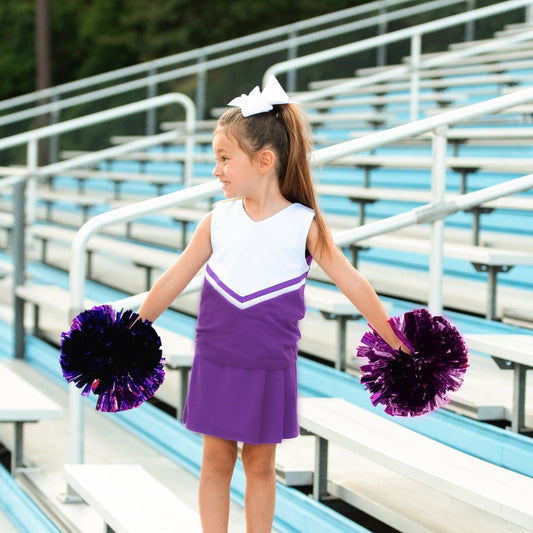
(94, 36)
(17, 63)
(103, 43)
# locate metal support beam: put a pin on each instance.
(340, 364)
(151, 119)
(519, 395)
(438, 189)
(320, 477)
(416, 50)
(201, 88)
(19, 273)
(17, 460)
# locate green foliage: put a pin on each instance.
(105, 44)
(16, 48)
(94, 36)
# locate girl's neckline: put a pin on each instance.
(263, 219)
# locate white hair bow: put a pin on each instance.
(260, 102)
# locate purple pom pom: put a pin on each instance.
(115, 355)
(419, 382)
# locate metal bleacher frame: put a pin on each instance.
(433, 213)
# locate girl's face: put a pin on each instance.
(233, 168)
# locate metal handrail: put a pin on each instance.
(23, 179)
(395, 36)
(103, 116)
(78, 271)
(412, 129)
(11, 180)
(414, 33)
(31, 139)
(431, 62)
(202, 64)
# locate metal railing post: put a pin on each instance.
(438, 190)
(292, 53)
(469, 26)
(32, 162)
(53, 146)
(19, 273)
(416, 49)
(381, 57)
(151, 113)
(201, 88)
(190, 143)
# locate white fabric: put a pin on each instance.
(246, 304)
(251, 256)
(260, 102)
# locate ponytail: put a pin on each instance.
(286, 131)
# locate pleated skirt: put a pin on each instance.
(250, 405)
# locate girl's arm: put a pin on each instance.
(354, 285)
(170, 284)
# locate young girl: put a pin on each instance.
(258, 246)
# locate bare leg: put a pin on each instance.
(259, 465)
(218, 462)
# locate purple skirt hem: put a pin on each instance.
(237, 438)
(256, 406)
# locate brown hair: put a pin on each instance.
(285, 131)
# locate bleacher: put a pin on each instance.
(334, 478)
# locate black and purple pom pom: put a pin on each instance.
(419, 382)
(116, 355)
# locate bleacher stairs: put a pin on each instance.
(126, 259)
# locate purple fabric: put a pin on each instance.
(243, 384)
(246, 405)
(262, 336)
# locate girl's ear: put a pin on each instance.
(265, 160)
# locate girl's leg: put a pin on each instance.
(218, 462)
(258, 461)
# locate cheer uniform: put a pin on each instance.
(243, 384)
